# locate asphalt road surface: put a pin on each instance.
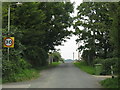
(63, 76)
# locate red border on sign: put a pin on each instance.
(8, 38)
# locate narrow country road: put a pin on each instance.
(63, 76)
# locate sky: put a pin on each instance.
(70, 46)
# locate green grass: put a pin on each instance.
(54, 64)
(84, 67)
(27, 74)
(110, 83)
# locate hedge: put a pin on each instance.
(107, 63)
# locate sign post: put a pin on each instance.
(112, 72)
(9, 42)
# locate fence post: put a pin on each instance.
(112, 72)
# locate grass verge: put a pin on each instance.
(110, 83)
(84, 67)
(54, 64)
(27, 74)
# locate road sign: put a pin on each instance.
(9, 42)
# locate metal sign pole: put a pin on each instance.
(8, 53)
(8, 27)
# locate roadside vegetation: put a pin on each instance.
(53, 64)
(84, 67)
(106, 70)
(28, 74)
(110, 83)
(37, 27)
(99, 37)
(24, 75)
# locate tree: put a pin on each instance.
(43, 25)
(95, 19)
(114, 32)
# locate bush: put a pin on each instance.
(11, 67)
(26, 74)
(98, 61)
(56, 56)
(107, 63)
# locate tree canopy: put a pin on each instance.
(100, 33)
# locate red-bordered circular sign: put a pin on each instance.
(8, 42)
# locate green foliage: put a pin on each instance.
(54, 64)
(100, 22)
(34, 17)
(96, 19)
(11, 68)
(25, 74)
(62, 60)
(98, 61)
(83, 66)
(36, 56)
(110, 83)
(56, 56)
(114, 32)
(16, 52)
(87, 56)
(37, 27)
(107, 63)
